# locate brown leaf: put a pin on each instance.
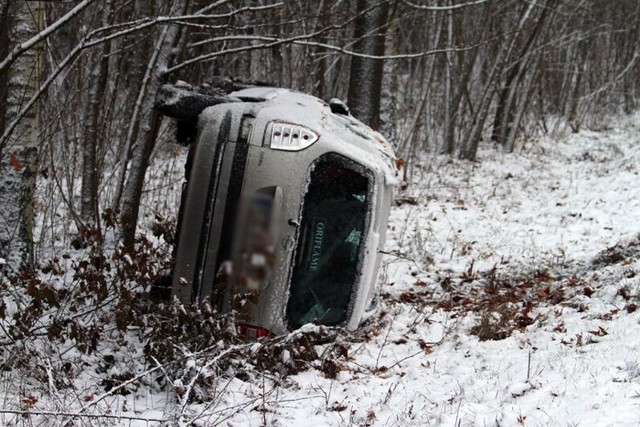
(30, 400)
(428, 349)
(600, 332)
(13, 159)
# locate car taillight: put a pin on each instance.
(253, 332)
(290, 137)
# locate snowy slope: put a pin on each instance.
(542, 219)
(509, 297)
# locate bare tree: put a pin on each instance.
(162, 55)
(97, 89)
(366, 73)
(454, 75)
(18, 156)
(517, 75)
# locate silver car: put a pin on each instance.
(284, 212)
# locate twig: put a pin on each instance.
(384, 343)
(405, 358)
(80, 413)
(25, 413)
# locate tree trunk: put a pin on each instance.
(474, 135)
(89, 213)
(365, 79)
(388, 96)
(134, 67)
(320, 53)
(522, 105)
(508, 95)
(148, 127)
(449, 143)
(5, 19)
(461, 97)
(18, 157)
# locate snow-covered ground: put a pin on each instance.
(509, 296)
(556, 225)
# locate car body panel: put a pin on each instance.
(243, 203)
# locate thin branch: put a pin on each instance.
(443, 8)
(115, 389)
(66, 61)
(144, 23)
(620, 75)
(23, 47)
(303, 41)
(88, 41)
(26, 413)
(209, 364)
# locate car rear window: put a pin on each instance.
(326, 264)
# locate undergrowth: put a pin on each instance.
(503, 302)
(88, 315)
(89, 312)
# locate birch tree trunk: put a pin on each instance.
(18, 156)
(4, 51)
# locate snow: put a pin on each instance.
(527, 239)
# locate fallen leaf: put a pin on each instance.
(30, 400)
(13, 159)
(600, 332)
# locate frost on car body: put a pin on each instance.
(284, 211)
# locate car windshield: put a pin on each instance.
(329, 245)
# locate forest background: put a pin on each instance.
(78, 80)
(78, 132)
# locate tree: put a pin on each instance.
(163, 53)
(18, 154)
(458, 73)
(366, 73)
(514, 93)
(97, 89)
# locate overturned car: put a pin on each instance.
(284, 209)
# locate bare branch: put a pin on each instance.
(303, 40)
(23, 47)
(62, 414)
(632, 62)
(443, 8)
(89, 41)
(70, 58)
